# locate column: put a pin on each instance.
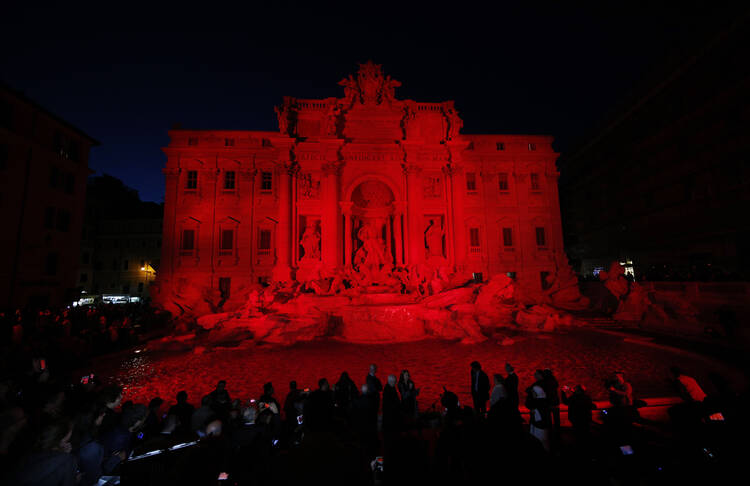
(399, 211)
(282, 272)
(346, 209)
(414, 214)
(458, 190)
(329, 215)
(388, 238)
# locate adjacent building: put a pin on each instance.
(666, 183)
(43, 172)
(121, 248)
(361, 183)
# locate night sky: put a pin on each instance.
(127, 75)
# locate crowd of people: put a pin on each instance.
(55, 433)
(62, 429)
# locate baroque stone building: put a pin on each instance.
(362, 183)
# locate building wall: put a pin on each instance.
(335, 148)
(665, 182)
(43, 171)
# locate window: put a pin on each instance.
(63, 220)
(187, 245)
(226, 245)
(3, 156)
(49, 218)
(124, 264)
(535, 182)
(229, 180)
(541, 239)
(474, 240)
(471, 182)
(511, 275)
(500, 146)
(224, 286)
(54, 177)
(508, 237)
(192, 180)
(70, 182)
(50, 264)
(84, 278)
(229, 142)
(192, 140)
(264, 242)
(532, 146)
(266, 182)
(502, 181)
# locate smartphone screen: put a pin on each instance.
(223, 476)
(626, 450)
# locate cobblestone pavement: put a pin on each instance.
(577, 356)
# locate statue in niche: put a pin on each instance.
(283, 117)
(455, 123)
(371, 255)
(389, 89)
(311, 244)
(351, 90)
(433, 237)
(331, 118)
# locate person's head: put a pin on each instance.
(221, 385)
(579, 389)
(476, 366)
(373, 368)
(344, 376)
(111, 396)
(323, 384)
(182, 396)
(548, 373)
(392, 380)
(619, 377)
(539, 375)
(268, 388)
(55, 436)
(155, 404)
(405, 375)
(508, 368)
(292, 385)
(499, 380)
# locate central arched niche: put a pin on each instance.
(373, 248)
(372, 195)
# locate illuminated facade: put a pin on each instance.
(365, 182)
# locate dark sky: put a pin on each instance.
(125, 75)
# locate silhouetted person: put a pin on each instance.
(220, 400)
(345, 391)
(408, 391)
(480, 388)
(552, 390)
(511, 386)
(580, 408)
(183, 410)
(365, 420)
(268, 396)
(540, 419)
(290, 402)
(374, 387)
(391, 406)
(318, 411)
